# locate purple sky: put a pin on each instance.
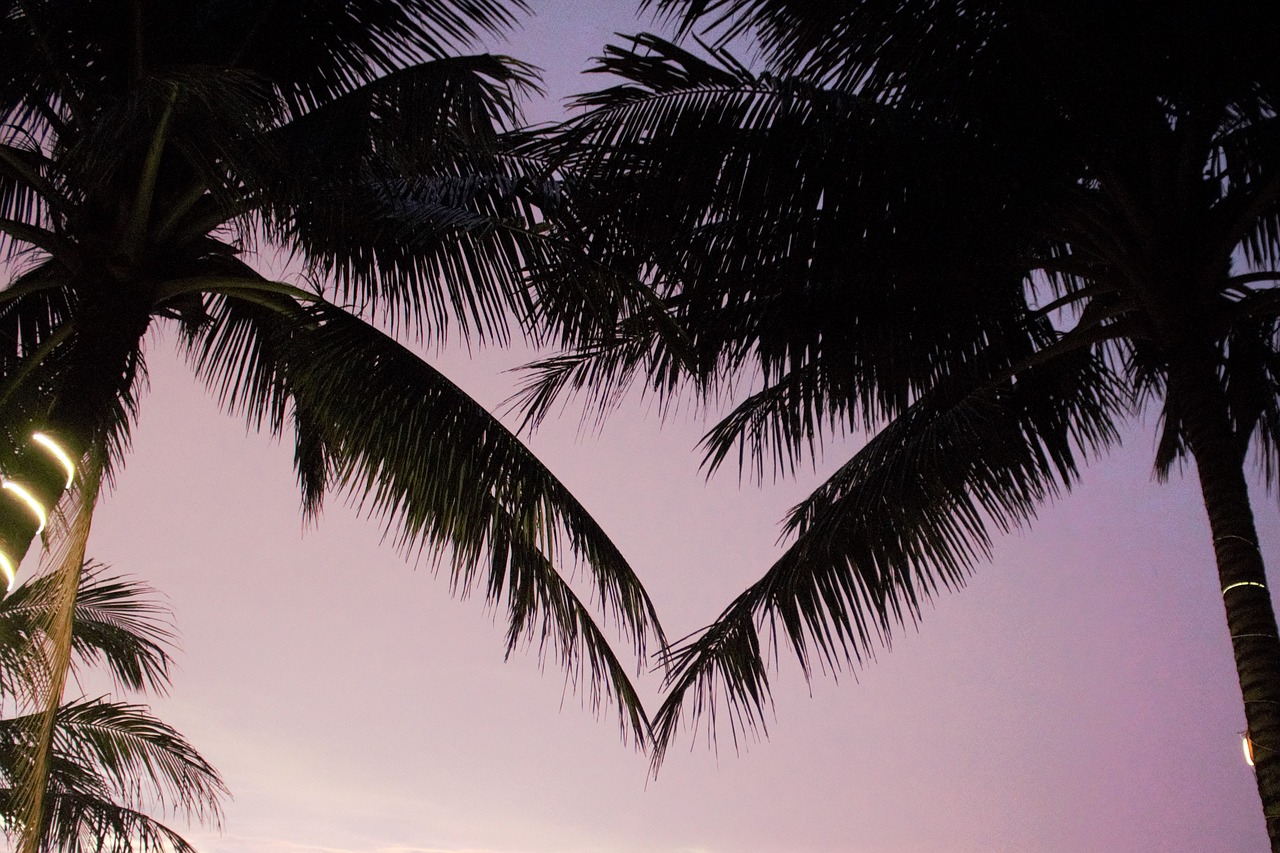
(1079, 696)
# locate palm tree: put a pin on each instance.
(985, 235)
(110, 759)
(150, 151)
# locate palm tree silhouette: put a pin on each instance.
(985, 234)
(111, 761)
(150, 149)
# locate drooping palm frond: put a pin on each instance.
(116, 624)
(134, 752)
(906, 517)
(373, 420)
(84, 823)
(110, 760)
(543, 610)
(410, 447)
(104, 765)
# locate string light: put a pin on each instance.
(7, 569)
(29, 500)
(1247, 745)
(58, 453)
(50, 446)
(1226, 589)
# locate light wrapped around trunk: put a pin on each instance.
(28, 493)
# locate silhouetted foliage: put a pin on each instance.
(984, 234)
(113, 763)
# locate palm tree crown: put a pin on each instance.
(148, 149)
(985, 234)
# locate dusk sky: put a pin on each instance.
(1078, 696)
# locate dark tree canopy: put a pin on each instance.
(151, 151)
(984, 235)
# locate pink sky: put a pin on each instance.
(1079, 696)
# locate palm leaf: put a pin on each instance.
(115, 621)
(406, 445)
(108, 760)
(133, 751)
(85, 823)
(781, 167)
(907, 516)
(409, 197)
(410, 447)
(334, 45)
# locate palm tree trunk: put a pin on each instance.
(1219, 454)
(33, 783)
(110, 323)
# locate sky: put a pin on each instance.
(1079, 695)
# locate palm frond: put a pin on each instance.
(85, 823)
(375, 421)
(332, 48)
(119, 624)
(543, 610)
(338, 46)
(25, 193)
(906, 517)
(109, 760)
(240, 354)
(139, 757)
(852, 249)
(410, 447)
(116, 622)
(430, 115)
(410, 197)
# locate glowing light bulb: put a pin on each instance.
(28, 499)
(58, 453)
(1247, 746)
(6, 568)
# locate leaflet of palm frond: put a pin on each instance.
(601, 375)
(34, 313)
(239, 355)
(543, 610)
